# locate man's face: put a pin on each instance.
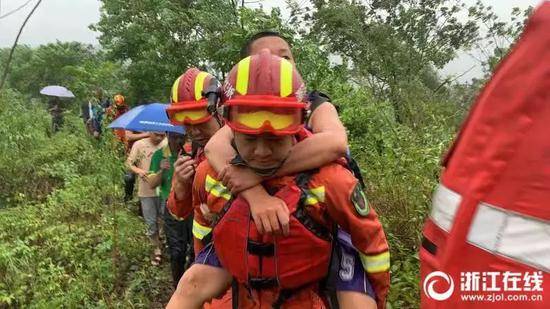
(202, 132)
(175, 141)
(156, 138)
(275, 44)
(263, 151)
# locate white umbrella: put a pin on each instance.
(57, 91)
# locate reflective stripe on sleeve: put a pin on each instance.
(376, 263)
(200, 231)
(315, 195)
(216, 188)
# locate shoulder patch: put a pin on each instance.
(359, 201)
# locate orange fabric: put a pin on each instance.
(223, 302)
(180, 209)
(498, 164)
(367, 234)
(305, 298)
(121, 135)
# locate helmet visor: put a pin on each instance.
(188, 116)
(258, 120)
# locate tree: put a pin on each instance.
(159, 40)
(77, 66)
(496, 36)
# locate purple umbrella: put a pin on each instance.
(57, 91)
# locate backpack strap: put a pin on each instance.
(327, 286)
(301, 213)
(353, 167)
(316, 98)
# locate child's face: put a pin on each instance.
(156, 138)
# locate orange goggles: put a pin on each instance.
(189, 115)
(258, 120)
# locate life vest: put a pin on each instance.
(488, 233)
(284, 262)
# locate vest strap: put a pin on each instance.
(259, 283)
(260, 249)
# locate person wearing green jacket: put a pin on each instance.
(178, 232)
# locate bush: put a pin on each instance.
(74, 244)
(400, 164)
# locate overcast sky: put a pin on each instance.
(68, 20)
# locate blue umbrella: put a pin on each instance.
(57, 91)
(146, 118)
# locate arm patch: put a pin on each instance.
(359, 201)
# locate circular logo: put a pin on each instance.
(432, 279)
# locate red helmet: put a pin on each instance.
(119, 99)
(264, 94)
(188, 101)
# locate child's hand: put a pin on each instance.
(238, 179)
(270, 214)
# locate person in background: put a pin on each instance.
(139, 162)
(178, 232)
(56, 110)
(130, 178)
(95, 114)
(113, 112)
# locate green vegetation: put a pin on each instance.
(65, 237)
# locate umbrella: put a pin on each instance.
(57, 91)
(146, 118)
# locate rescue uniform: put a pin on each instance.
(490, 216)
(333, 197)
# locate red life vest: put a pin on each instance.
(488, 232)
(263, 261)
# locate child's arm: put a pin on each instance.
(197, 286)
(218, 150)
(132, 137)
(328, 143)
(132, 160)
(155, 172)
